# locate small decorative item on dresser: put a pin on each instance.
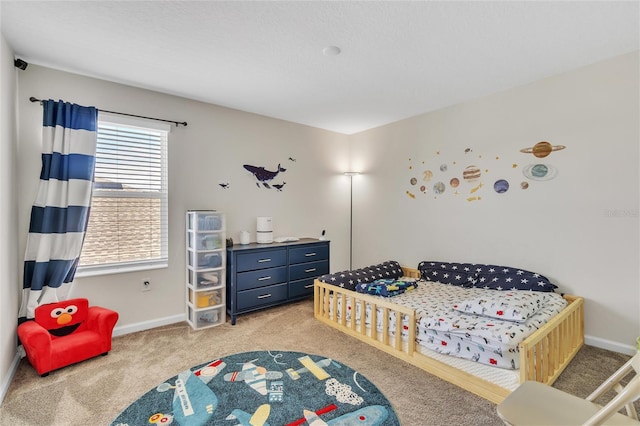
(245, 237)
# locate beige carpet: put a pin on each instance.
(95, 391)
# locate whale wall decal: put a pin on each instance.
(263, 176)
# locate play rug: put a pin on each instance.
(263, 388)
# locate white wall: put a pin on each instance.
(9, 284)
(212, 148)
(579, 229)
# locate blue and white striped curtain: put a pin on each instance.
(60, 212)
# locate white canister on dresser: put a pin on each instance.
(245, 237)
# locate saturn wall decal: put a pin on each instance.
(542, 149)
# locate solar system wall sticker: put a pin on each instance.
(263, 176)
(466, 175)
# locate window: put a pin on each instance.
(127, 227)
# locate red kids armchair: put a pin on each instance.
(66, 332)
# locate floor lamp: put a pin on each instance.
(351, 175)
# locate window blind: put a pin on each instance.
(128, 223)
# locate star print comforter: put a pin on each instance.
(481, 325)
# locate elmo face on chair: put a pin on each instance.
(61, 319)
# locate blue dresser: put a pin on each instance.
(264, 275)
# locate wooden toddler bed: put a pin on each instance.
(543, 355)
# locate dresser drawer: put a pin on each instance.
(261, 278)
(261, 296)
(308, 270)
(261, 259)
(301, 288)
(309, 253)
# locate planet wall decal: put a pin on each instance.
(454, 182)
(438, 188)
(428, 174)
(501, 186)
(542, 149)
(413, 181)
(540, 171)
(471, 174)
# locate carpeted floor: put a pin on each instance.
(94, 392)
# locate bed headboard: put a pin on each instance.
(410, 272)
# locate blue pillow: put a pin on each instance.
(460, 274)
(484, 276)
(509, 278)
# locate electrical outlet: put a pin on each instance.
(145, 284)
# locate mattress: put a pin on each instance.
(443, 328)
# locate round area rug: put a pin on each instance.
(263, 388)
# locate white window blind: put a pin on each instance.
(128, 223)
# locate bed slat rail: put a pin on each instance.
(545, 353)
(355, 326)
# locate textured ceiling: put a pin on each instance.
(398, 60)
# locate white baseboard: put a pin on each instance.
(610, 345)
(146, 325)
(4, 386)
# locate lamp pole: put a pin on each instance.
(351, 175)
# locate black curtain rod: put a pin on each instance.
(177, 123)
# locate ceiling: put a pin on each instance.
(397, 60)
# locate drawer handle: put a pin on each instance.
(310, 270)
(264, 296)
(264, 260)
(310, 254)
(308, 286)
(264, 278)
